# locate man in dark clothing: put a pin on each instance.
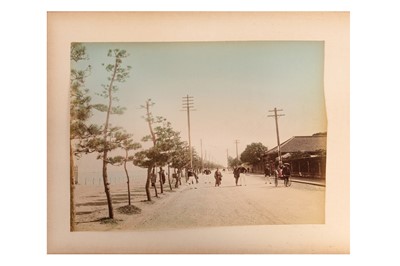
(191, 177)
(286, 174)
(236, 174)
(218, 177)
(162, 175)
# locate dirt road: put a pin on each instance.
(203, 205)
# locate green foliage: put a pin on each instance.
(80, 106)
(232, 162)
(125, 142)
(116, 160)
(84, 131)
(118, 74)
(117, 110)
(100, 107)
(167, 145)
(101, 139)
(180, 156)
(253, 153)
(112, 137)
(116, 138)
(128, 145)
(146, 138)
(78, 52)
(196, 159)
(146, 158)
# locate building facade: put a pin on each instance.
(305, 154)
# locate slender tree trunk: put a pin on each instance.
(153, 137)
(129, 189)
(105, 177)
(155, 184)
(107, 187)
(72, 189)
(147, 187)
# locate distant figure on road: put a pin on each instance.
(277, 173)
(179, 177)
(267, 174)
(243, 177)
(286, 174)
(175, 176)
(191, 177)
(207, 171)
(218, 177)
(162, 175)
(242, 170)
(236, 175)
(153, 178)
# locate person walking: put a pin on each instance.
(286, 174)
(191, 178)
(243, 177)
(218, 177)
(196, 177)
(153, 179)
(277, 173)
(267, 174)
(236, 175)
(175, 177)
(162, 175)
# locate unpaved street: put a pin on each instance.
(255, 203)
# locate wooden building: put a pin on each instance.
(305, 154)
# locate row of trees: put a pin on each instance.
(166, 147)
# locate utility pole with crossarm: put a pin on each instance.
(188, 105)
(237, 154)
(277, 130)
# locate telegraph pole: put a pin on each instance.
(201, 149)
(277, 130)
(237, 154)
(188, 104)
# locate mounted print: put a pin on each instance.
(198, 132)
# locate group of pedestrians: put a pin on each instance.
(193, 178)
(281, 171)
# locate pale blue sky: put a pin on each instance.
(234, 84)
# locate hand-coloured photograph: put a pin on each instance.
(198, 133)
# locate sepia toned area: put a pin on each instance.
(255, 204)
(127, 126)
(100, 199)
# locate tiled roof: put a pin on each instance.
(302, 144)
